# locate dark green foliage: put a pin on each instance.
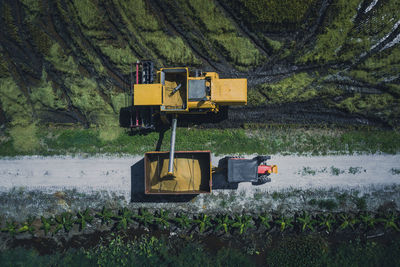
(302, 250)
(284, 223)
(313, 202)
(347, 220)
(124, 218)
(390, 221)
(326, 222)
(302, 222)
(367, 105)
(151, 251)
(144, 217)
(297, 86)
(162, 218)
(368, 221)
(360, 202)
(47, 223)
(116, 253)
(277, 195)
(3, 67)
(105, 215)
(339, 22)
(336, 171)
(295, 250)
(357, 253)
(83, 218)
(193, 253)
(308, 171)
(232, 257)
(27, 226)
(22, 257)
(183, 221)
(265, 220)
(298, 251)
(326, 204)
(307, 222)
(223, 222)
(11, 228)
(277, 12)
(203, 222)
(11, 24)
(64, 221)
(243, 222)
(41, 40)
(355, 170)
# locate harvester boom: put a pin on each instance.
(172, 150)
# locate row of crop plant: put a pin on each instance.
(124, 218)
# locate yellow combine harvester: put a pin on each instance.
(179, 92)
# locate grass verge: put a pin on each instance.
(272, 140)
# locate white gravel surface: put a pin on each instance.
(83, 174)
(113, 174)
(372, 170)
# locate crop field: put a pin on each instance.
(323, 99)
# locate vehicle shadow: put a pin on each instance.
(219, 181)
(219, 178)
(137, 188)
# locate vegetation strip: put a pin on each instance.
(260, 139)
(302, 250)
(124, 218)
(275, 239)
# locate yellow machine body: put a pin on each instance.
(175, 91)
(148, 95)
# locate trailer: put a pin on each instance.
(193, 171)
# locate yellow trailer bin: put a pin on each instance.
(192, 173)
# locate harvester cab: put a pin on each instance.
(178, 92)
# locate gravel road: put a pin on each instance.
(50, 185)
(113, 174)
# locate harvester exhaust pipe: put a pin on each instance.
(172, 150)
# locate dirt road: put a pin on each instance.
(114, 173)
(50, 185)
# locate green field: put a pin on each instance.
(76, 64)
(153, 251)
(267, 140)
